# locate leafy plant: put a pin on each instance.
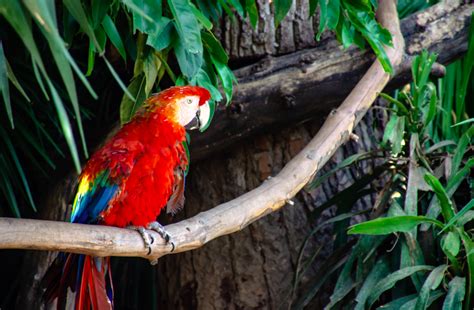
(51, 45)
(352, 21)
(418, 251)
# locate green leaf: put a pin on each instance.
(251, 8)
(118, 79)
(388, 225)
(394, 133)
(439, 145)
(402, 110)
(459, 215)
(226, 76)
(411, 254)
(128, 107)
(468, 63)
(376, 36)
(201, 18)
(300, 270)
(410, 305)
(161, 37)
(46, 21)
(77, 11)
(114, 35)
(151, 66)
(323, 18)
(13, 79)
(45, 17)
(467, 121)
(431, 283)
(466, 218)
(455, 296)
(343, 164)
(228, 11)
(188, 48)
(313, 4)
(347, 33)
(361, 251)
(450, 243)
(7, 188)
(98, 11)
(281, 9)
(214, 47)
(35, 145)
(453, 183)
(238, 7)
(202, 79)
(469, 248)
(90, 58)
(389, 281)
(7, 141)
(445, 202)
(333, 10)
(379, 271)
(429, 116)
(66, 126)
(398, 303)
(4, 88)
(463, 144)
(142, 11)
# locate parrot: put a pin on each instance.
(127, 183)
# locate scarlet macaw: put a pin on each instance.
(127, 182)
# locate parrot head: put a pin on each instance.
(186, 105)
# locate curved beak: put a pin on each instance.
(204, 115)
(202, 119)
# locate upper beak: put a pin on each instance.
(204, 115)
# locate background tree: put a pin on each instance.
(269, 245)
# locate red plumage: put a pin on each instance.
(128, 181)
(142, 159)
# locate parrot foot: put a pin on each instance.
(148, 239)
(162, 232)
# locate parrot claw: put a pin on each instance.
(162, 232)
(149, 240)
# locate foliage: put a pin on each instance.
(418, 251)
(165, 42)
(352, 21)
(96, 29)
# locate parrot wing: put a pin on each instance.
(176, 200)
(92, 197)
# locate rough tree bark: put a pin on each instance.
(252, 268)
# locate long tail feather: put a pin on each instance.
(89, 277)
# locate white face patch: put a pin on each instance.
(188, 107)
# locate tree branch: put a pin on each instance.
(284, 90)
(236, 214)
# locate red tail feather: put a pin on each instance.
(91, 286)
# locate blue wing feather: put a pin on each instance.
(92, 198)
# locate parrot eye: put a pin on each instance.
(189, 101)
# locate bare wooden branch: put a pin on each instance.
(231, 216)
(280, 91)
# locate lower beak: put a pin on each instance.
(195, 123)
